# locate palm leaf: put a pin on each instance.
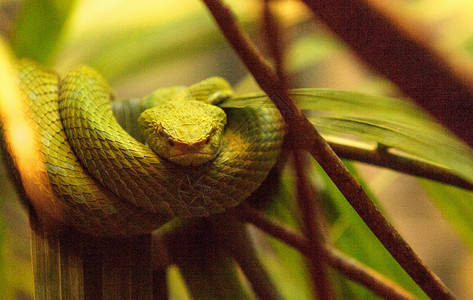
(394, 123)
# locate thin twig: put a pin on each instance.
(253, 216)
(311, 215)
(401, 164)
(208, 270)
(363, 274)
(349, 267)
(310, 139)
(274, 39)
(402, 52)
(231, 233)
(311, 219)
(374, 219)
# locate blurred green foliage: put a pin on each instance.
(38, 29)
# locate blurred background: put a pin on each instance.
(143, 45)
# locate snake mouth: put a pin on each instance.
(191, 159)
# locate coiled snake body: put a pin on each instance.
(102, 181)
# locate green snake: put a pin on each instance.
(191, 158)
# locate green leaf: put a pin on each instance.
(348, 233)
(287, 267)
(38, 29)
(176, 284)
(455, 205)
(394, 123)
(351, 235)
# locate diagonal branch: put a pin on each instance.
(351, 268)
(274, 39)
(231, 233)
(401, 52)
(311, 217)
(401, 164)
(310, 139)
(311, 214)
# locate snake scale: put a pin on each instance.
(102, 181)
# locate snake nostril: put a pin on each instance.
(171, 143)
(207, 140)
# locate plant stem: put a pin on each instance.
(401, 164)
(310, 139)
(311, 217)
(232, 234)
(274, 39)
(209, 272)
(311, 214)
(363, 274)
(349, 267)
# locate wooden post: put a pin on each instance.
(71, 265)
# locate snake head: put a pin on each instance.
(188, 133)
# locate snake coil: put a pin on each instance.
(100, 180)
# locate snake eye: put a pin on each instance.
(207, 140)
(171, 143)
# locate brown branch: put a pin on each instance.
(253, 216)
(363, 274)
(311, 218)
(349, 267)
(400, 51)
(310, 138)
(274, 39)
(401, 164)
(209, 272)
(374, 219)
(231, 233)
(311, 215)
